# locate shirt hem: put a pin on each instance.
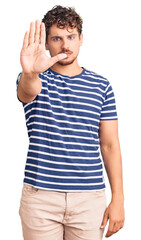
(64, 191)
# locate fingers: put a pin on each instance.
(42, 34)
(31, 33)
(110, 230)
(37, 31)
(25, 41)
(113, 228)
(105, 220)
(57, 58)
(36, 34)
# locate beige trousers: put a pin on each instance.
(51, 215)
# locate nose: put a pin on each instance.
(65, 44)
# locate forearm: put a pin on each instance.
(30, 84)
(113, 164)
(110, 149)
(29, 87)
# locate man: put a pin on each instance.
(70, 111)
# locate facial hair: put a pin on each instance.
(63, 63)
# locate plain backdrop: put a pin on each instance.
(111, 48)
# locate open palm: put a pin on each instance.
(33, 56)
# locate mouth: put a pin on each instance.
(68, 54)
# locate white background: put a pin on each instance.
(112, 48)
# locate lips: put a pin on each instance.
(68, 53)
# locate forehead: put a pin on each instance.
(54, 30)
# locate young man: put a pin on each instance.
(70, 111)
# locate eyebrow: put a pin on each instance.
(73, 34)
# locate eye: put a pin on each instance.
(56, 39)
(71, 37)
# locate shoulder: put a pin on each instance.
(96, 77)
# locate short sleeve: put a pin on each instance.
(17, 83)
(109, 111)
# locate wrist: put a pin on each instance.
(117, 196)
(30, 75)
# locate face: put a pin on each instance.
(64, 41)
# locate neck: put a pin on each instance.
(68, 70)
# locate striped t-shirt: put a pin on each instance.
(63, 129)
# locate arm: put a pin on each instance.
(29, 86)
(110, 149)
(34, 60)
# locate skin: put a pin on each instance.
(110, 149)
(62, 41)
(34, 61)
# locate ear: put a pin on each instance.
(81, 39)
(46, 46)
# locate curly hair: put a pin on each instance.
(64, 17)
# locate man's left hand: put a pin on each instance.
(116, 216)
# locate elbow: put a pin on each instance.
(106, 148)
(110, 150)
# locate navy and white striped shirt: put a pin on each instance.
(63, 129)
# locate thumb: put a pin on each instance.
(57, 58)
(105, 220)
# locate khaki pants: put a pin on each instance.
(51, 215)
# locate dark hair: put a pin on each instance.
(64, 17)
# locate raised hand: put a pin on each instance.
(33, 56)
